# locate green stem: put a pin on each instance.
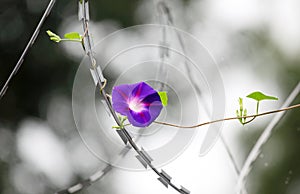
(72, 40)
(230, 118)
(257, 106)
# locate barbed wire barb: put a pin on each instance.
(143, 156)
(29, 44)
(100, 174)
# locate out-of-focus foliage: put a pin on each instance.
(45, 74)
(45, 70)
(43, 88)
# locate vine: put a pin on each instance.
(160, 100)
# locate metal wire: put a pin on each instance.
(167, 19)
(264, 137)
(142, 156)
(28, 46)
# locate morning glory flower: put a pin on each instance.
(139, 102)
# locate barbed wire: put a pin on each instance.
(28, 46)
(166, 18)
(162, 73)
(99, 79)
(100, 174)
(143, 157)
(244, 171)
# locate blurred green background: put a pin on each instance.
(256, 44)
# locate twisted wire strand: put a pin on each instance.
(28, 46)
(264, 137)
(166, 11)
(126, 137)
(98, 175)
(163, 19)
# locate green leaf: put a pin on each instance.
(73, 36)
(238, 113)
(258, 96)
(241, 104)
(51, 33)
(54, 37)
(164, 98)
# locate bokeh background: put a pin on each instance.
(256, 45)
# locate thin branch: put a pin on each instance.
(227, 119)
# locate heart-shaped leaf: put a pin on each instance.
(258, 96)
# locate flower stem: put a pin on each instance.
(71, 40)
(257, 106)
(229, 118)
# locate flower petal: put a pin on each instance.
(139, 102)
(139, 119)
(142, 90)
(120, 96)
(152, 98)
(121, 108)
(152, 110)
(154, 105)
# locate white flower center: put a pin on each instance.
(135, 105)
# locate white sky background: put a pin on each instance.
(41, 148)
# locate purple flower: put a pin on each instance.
(139, 102)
